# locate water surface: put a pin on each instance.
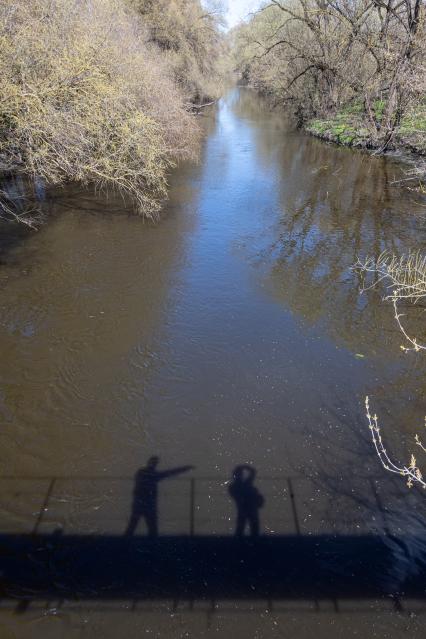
(232, 332)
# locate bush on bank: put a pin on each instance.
(86, 95)
(187, 33)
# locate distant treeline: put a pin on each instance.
(322, 57)
(100, 91)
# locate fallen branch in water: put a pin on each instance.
(197, 107)
(12, 211)
(416, 175)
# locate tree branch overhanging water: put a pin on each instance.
(404, 279)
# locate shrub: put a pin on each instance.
(85, 97)
(187, 33)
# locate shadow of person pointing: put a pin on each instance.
(145, 495)
(248, 500)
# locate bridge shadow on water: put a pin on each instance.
(53, 565)
(201, 567)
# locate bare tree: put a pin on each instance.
(319, 55)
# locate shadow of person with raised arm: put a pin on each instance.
(145, 495)
(247, 499)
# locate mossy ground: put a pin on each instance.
(349, 129)
(344, 128)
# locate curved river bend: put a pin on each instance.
(230, 333)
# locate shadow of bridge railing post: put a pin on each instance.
(199, 564)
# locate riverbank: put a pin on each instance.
(348, 128)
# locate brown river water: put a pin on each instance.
(230, 333)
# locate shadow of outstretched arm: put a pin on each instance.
(174, 471)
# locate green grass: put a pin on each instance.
(414, 122)
(348, 127)
(413, 129)
(355, 108)
(319, 126)
(379, 108)
(344, 128)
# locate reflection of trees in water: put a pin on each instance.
(309, 270)
(246, 103)
(347, 212)
(336, 206)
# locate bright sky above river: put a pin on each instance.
(239, 9)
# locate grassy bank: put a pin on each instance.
(348, 127)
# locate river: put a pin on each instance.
(231, 332)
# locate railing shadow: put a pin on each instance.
(44, 563)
